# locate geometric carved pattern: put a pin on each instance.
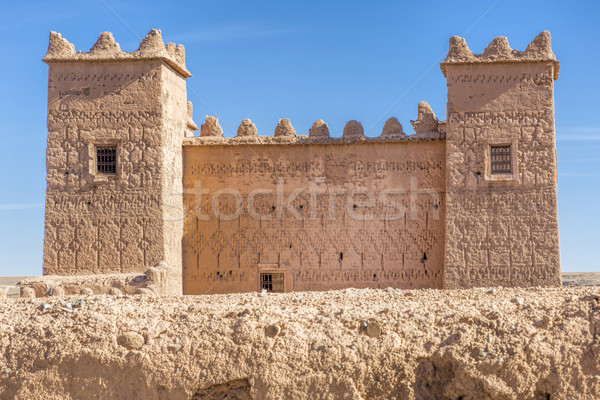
(320, 240)
(113, 225)
(492, 225)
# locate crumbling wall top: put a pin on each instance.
(427, 124)
(212, 134)
(106, 48)
(539, 50)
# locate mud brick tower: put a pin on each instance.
(116, 121)
(501, 213)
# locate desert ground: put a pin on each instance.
(9, 284)
(581, 278)
(500, 343)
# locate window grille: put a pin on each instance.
(106, 160)
(272, 282)
(501, 159)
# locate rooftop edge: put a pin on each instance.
(106, 48)
(539, 50)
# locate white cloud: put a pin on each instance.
(20, 206)
(568, 160)
(578, 138)
(578, 134)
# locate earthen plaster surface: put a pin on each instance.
(474, 344)
(328, 215)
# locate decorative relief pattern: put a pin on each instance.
(117, 224)
(524, 78)
(322, 237)
(501, 232)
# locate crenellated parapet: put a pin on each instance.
(393, 129)
(319, 130)
(106, 48)
(539, 50)
(427, 124)
(284, 128)
(427, 128)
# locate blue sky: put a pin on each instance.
(334, 60)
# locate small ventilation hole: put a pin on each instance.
(341, 256)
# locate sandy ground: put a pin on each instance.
(569, 279)
(349, 344)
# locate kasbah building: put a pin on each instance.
(136, 203)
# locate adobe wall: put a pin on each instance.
(501, 230)
(95, 226)
(418, 211)
(128, 221)
(331, 215)
(350, 344)
(177, 124)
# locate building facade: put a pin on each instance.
(470, 201)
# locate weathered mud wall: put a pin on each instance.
(502, 229)
(130, 219)
(475, 344)
(331, 215)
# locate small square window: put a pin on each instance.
(272, 282)
(106, 159)
(500, 159)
